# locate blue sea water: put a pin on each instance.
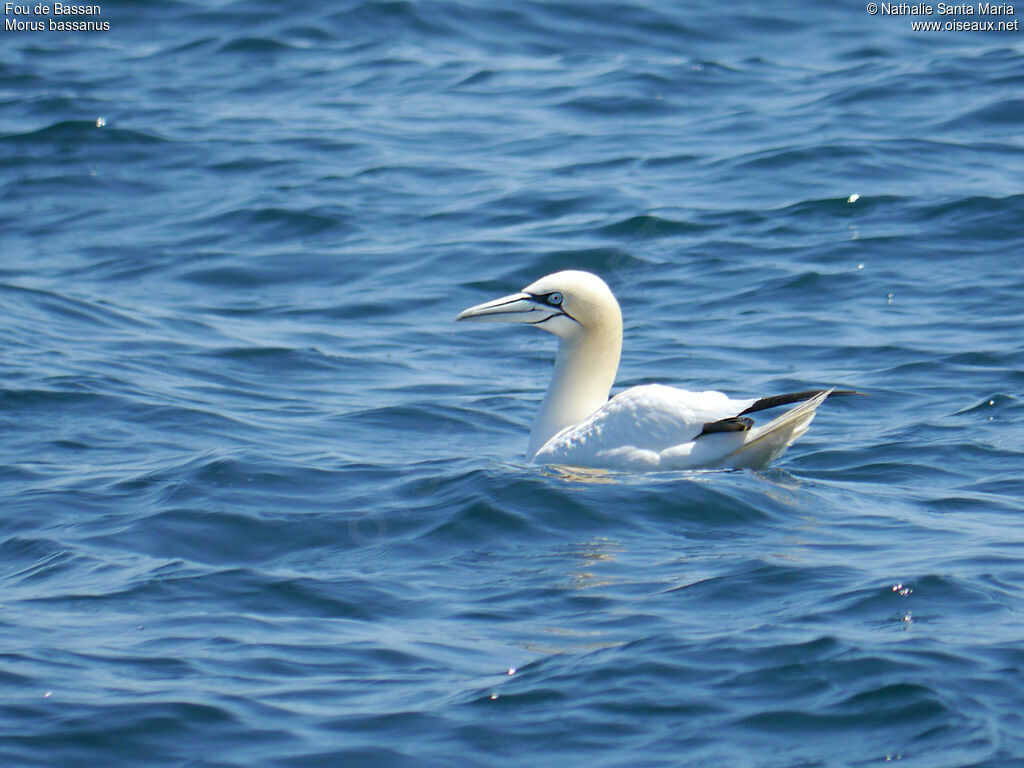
(265, 505)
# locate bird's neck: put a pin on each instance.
(584, 373)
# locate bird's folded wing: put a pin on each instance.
(636, 425)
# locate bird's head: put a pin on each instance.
(568, 304)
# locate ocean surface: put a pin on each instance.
(265, 505)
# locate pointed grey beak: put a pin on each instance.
(517, 308)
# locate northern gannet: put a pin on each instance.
(649, 427)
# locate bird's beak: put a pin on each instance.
(516, 308)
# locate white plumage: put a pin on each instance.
(650, 427)
(656, 427)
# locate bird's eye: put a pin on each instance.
(555, 299)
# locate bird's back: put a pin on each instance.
(635, 427)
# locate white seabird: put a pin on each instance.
(650, 427)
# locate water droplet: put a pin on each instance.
(100, 122)
(860, 266)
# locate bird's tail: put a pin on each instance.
(767, 443)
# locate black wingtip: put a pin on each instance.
(732, 424)
(775, 401)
